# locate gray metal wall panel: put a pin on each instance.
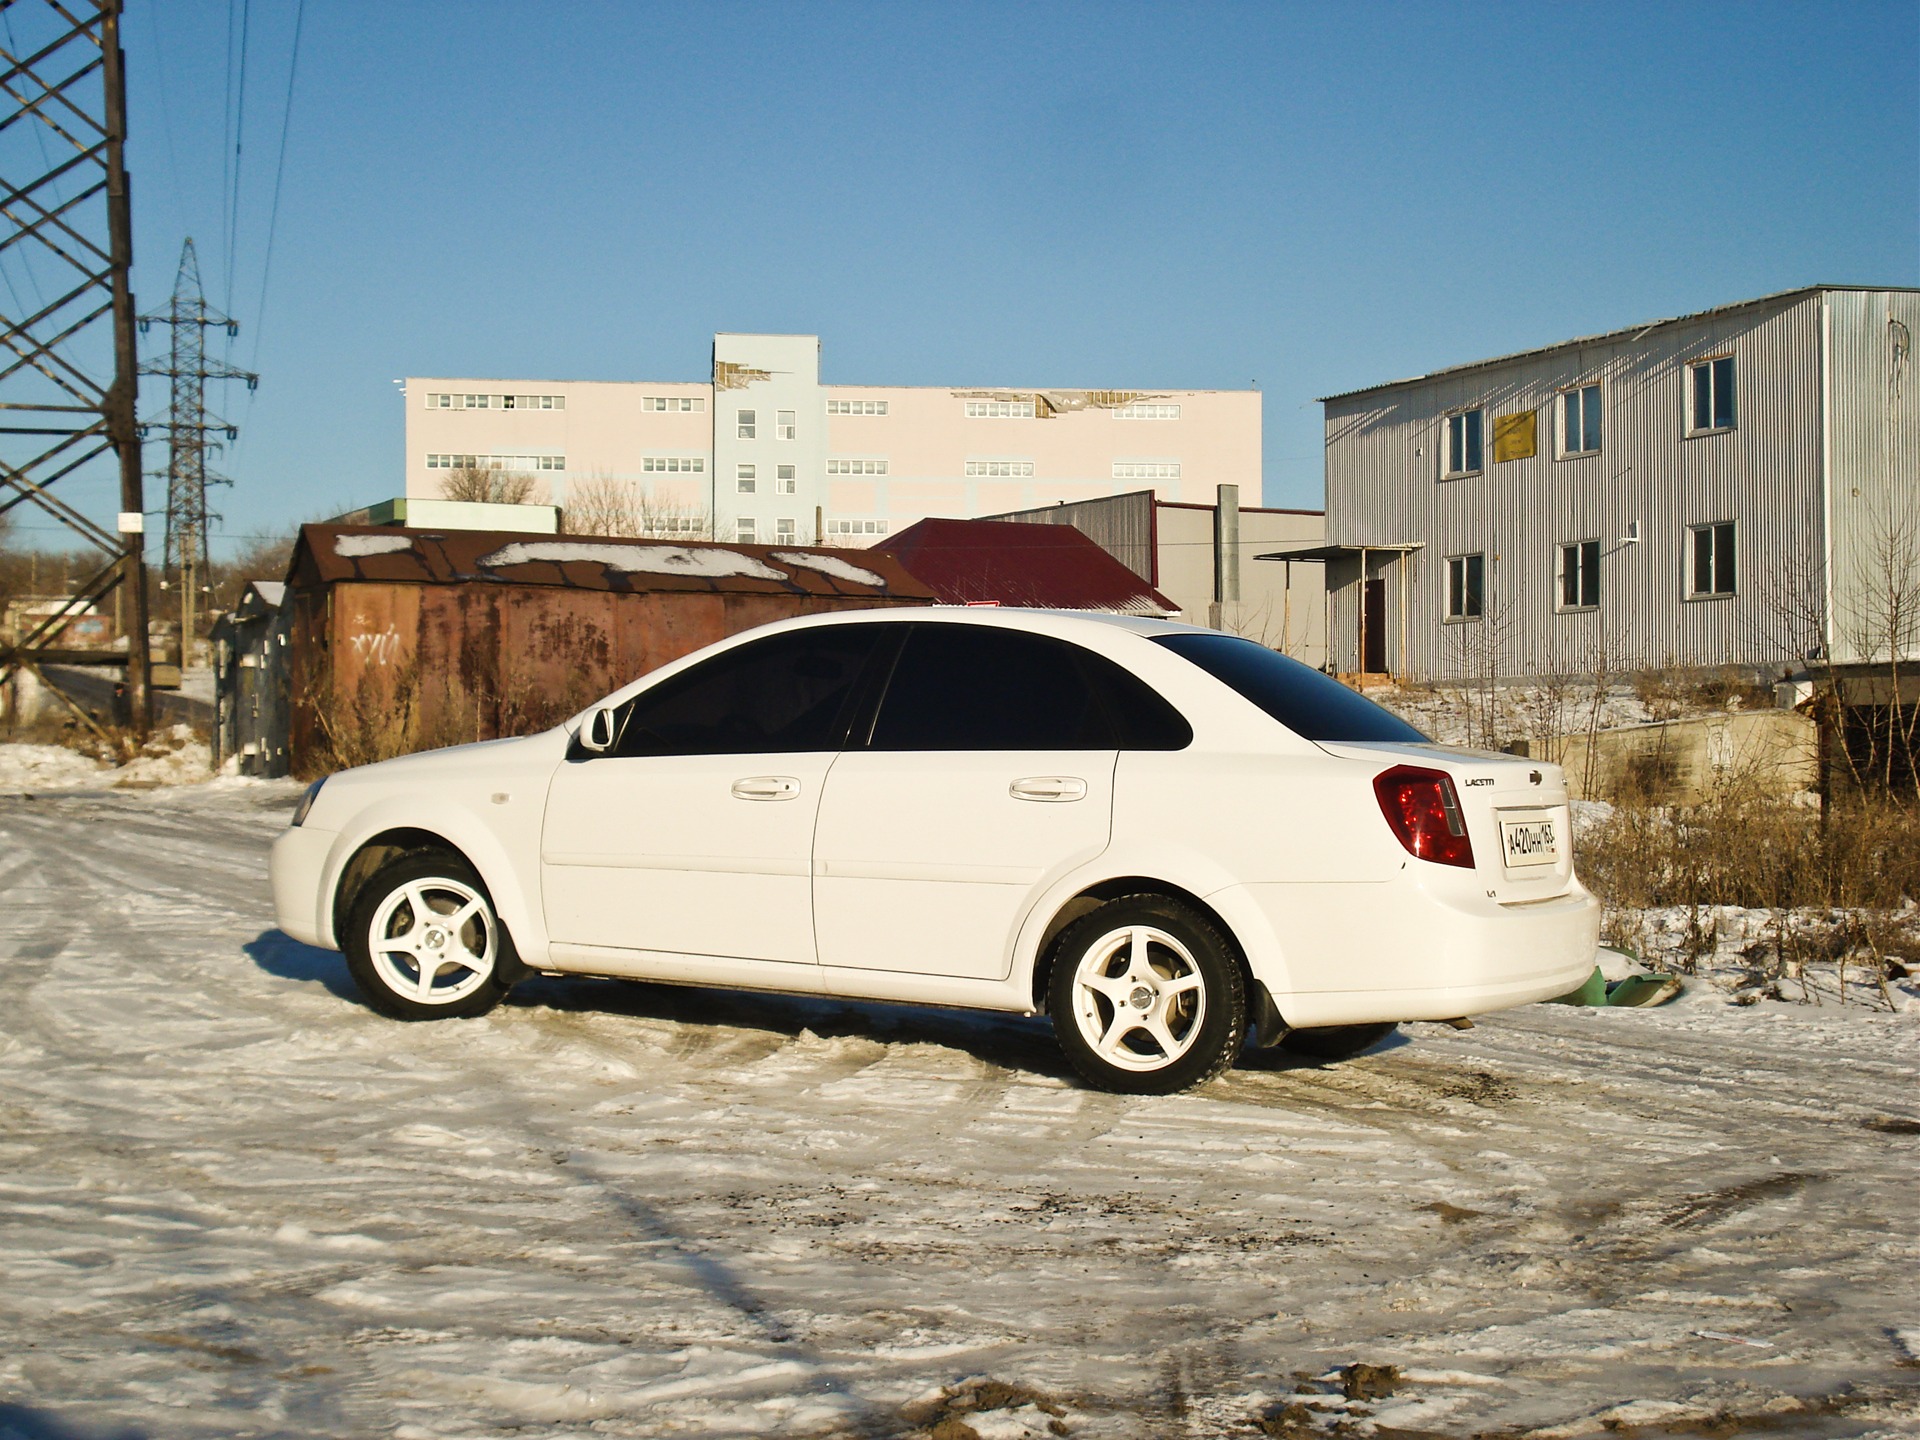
(1384, 485)
(1121, 525)
(1875, 500)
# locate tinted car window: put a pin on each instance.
(1142, 718)
(1312, 705)
(975, 687)
(789, 692)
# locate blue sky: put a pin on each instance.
(1312, 198)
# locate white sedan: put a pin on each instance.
(1166, 839)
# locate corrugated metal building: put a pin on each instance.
(406, 639)
(1202, 558)
(996, 562)
(1725, 487)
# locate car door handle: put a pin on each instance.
(1049, 787)
(766, 787)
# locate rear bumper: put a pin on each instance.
(1354, 954)
(295, 867)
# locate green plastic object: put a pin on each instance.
(1592, 991)
(1654, 989)
(1596, 989)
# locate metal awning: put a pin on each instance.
(1342, 552)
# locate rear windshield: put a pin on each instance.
(1312, 705)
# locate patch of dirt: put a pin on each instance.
(944, 1416)
(1482, 1087)
(1891, 1125)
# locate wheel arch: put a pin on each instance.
(373, 853)
(1093, 896)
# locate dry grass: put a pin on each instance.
(399, 711)
(1756, 852)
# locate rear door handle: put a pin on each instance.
(1049, 788)
(766, 787)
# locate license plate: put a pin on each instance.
(1530, 842)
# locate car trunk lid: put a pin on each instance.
(1515, 809)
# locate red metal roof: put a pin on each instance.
(327, 554)
(1046, 567)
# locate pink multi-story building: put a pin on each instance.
(762, 451)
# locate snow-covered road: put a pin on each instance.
(234, 1202)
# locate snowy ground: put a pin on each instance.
(234, 1202)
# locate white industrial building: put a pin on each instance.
(761, 450)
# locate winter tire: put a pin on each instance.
(1335, 1042)
(423, 942)
(1146, 996)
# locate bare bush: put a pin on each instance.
(493, 484)
(1756, 852)
(599, 504)
(399, 710)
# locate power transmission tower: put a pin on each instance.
(67, 366)
(189, 428)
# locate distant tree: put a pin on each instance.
(599, 504)
(493, 485)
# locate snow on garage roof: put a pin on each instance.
(328, 554)
(1006, 562)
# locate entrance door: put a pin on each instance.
(1373, 627)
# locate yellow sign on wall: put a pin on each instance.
(1513, 437)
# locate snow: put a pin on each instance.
(710, 564)
(172, 757)
(357, 547)
(830, 565)
(233, 1201)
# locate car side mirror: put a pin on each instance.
(596, 735)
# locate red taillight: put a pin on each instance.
(1424, 812)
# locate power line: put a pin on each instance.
(279, 173)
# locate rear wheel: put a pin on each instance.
(423, 942)
(1146, 996)
(1335, 1042)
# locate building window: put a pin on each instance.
(1146, 469)
(1580, 421)
(744, 530)
(1147, 410)
(845, 526)
(999, 469)
(783, 426)
(856, 407)
(496, 462)
(744, 425)
(1580, 575)
(1466, 576)
(1000, 409)
(437, 400)
(743, 479)
(856, 467)
(1710, 406)
(673, 465)
(1465, 442)
(783, 481)
(784, 531)
(674, 404)
(1711, 571)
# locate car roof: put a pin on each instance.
(1011, 617)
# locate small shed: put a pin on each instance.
(250, 666)
(404, 639)
(1004, 562)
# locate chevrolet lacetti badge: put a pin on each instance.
(1167, 840)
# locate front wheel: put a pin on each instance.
(1146, 996)
(423, 942)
